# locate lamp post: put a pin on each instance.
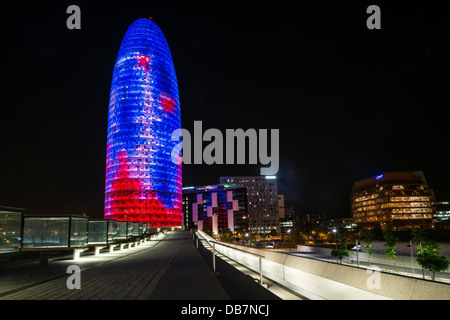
(335, 238)
(290, 247)
(357, 249)
(412, 259)
(335, 242)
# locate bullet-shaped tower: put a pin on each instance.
(142, 182)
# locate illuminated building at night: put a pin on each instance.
(441, 217)
(262, 194)
(286, 215)
(142, 182)
(215, 207)
(398, 200)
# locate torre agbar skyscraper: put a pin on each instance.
(143, 184)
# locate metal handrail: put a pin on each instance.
(225, 245)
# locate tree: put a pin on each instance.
(391, 243)
(320, 235)
(342, 250)
(297, 237)
(251, 238)
(273, 233)
(428, 257)
(208, 232)
(431, 260)
(419, 236)
(367, 236)
(226, 235)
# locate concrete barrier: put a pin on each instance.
(325, 280)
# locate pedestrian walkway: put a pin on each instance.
(168, 268)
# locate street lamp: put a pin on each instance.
(335, 239)
(335, 242)
(357, 249)
(289, 239)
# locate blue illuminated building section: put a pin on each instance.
(142, 182)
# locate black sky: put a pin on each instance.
(349, 102)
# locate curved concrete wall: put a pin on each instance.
(375, 258)
(324, 280)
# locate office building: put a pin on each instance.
(397, 200)
(281, 206)
(441, 219)
(287, 223)
(262, 195)
(341, 224)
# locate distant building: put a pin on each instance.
(311, 221)
(441, 218)
(215, 207)
(262, 196)
(287, 223)
(281, 211)
(342, 224)
(286, 216)
(400, 200)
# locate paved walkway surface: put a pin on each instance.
(233, 275)
(168, 268)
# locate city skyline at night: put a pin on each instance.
(199, 154)
(349, 102)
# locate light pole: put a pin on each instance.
(290, 247)
(335, 242)
(412, 259)
(335, 238)
(357, 249)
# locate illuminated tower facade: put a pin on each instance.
(143, 184)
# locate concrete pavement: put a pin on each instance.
(166, 269)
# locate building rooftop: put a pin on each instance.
(389, 177)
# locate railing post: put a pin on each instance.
(214, 257)
(260, 271)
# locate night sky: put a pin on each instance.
(349, 102)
